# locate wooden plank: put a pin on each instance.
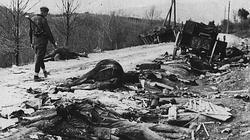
(164, 86)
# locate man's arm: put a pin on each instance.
(51, 54)
(49, 33)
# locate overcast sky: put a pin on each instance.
(93, 5)
(105, 6)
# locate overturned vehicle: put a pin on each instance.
(199, 43)
(200, 39)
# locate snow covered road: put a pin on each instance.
(16, 80)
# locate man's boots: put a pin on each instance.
(45, 73)
(38, 79)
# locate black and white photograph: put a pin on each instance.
(124, 70)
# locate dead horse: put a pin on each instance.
(107, 73)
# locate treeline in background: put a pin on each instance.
(80, 32)
(239, 25)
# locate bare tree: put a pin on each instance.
(152, 14)
(69, 8)
(12, 26)
(112, 29)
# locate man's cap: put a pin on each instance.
(44, 9)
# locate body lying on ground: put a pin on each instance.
(107, 73)
(90, 120)
(63, 54)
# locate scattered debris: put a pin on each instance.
(208, 109)
(35, 103)
(245, 133)
(172, 113)
(245, 98)
(226, 130)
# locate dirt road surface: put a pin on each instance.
(16, 80)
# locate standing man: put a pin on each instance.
(39, 28)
